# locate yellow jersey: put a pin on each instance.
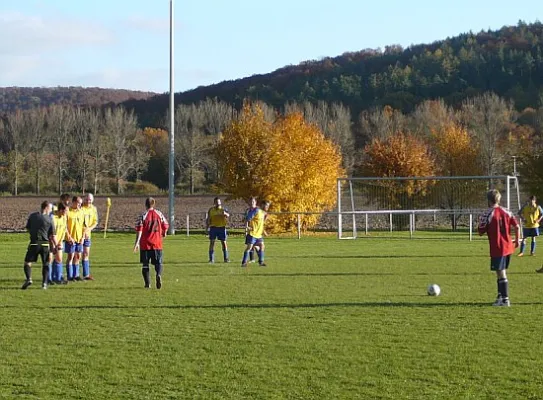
(60, 226)
(76, 224)
(530, 215)
(91, 216)
(216, 217)
(255, 222)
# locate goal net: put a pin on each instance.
(417, 203)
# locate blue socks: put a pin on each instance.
(532, 246)
(211, 256)
(86, 268)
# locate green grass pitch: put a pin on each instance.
(327, 319)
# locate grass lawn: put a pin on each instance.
(327, 319)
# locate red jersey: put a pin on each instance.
(496, 222)
(153, 227)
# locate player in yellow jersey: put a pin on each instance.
(530, 215)
(60, 223)
(65, 199)
(91, 221)
(74, 247)
(216, 220)
(254, 227)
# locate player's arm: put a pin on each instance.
(137, 243)
(207, 220)
(540, 214)
(482, 228)
(94, 220)
(139, 230)
(516, 227)
(226, 213)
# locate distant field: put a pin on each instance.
(123, 212)
(327, 319)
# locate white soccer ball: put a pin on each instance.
(434, 290)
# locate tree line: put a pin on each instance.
(63, 148)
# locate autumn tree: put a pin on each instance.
(288, 161)
(399, 155)
(456, 154)
(156, 144)
(334, 120)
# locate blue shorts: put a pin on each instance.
(499, 263)
(216, 232)
(151, 256)
(70, 248)
(86, 243)
(530, 232)
(252, 240)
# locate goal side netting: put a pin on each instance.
(366, 204)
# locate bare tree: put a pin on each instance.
(35, 127)
(431, 116)
(60, 123)
(121, 128)
(488, 118)
(380, 123)
(193, 146)
(88, 144)
(16, 142)
(217, 116)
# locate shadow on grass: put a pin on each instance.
(385, 304)
(384, 256)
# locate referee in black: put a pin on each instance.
(42, 239)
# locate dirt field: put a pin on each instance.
(123, 213)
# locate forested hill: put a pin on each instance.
(508, 61)
(13, 98)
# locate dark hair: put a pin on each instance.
(150, 202)
(65, 197)
(533, 198)
(61, 206)
(215, 199)
(265, 203)
(75, 198)
(44, 204)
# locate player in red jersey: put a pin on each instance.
(151, 228)
(496, 222)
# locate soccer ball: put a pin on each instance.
(434, 290)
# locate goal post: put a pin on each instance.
(401, 203)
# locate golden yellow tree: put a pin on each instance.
(288, 162)
(399, 155)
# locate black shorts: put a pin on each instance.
(35, 250)
(151, 256)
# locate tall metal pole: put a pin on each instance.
(171, 181)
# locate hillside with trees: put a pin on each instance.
(508, 62)
(24, 98)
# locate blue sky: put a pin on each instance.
(125, 43)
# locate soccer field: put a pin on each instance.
(327, 319)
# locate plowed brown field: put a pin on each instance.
(14, 211)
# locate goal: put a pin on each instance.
(401, 204)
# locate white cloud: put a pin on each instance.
(26, 34)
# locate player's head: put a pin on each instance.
(46, 207)
(61, 209)
(533, 200)
(217, 201)
(89, 198)
(493, 196)
(77, 201)
(65, 199)
(252, 202)
(150, 203)
(265, 205)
